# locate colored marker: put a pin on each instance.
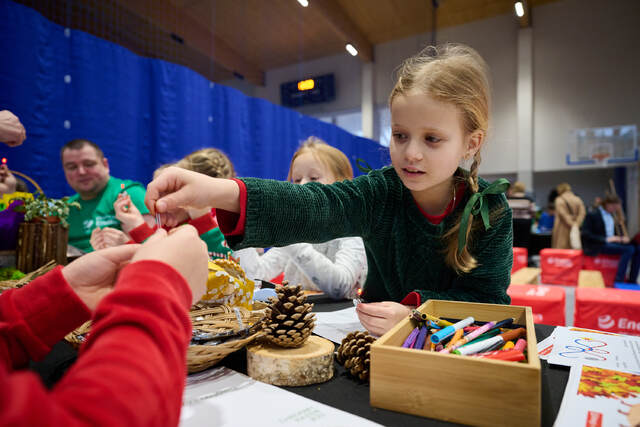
(450, 330)
(508, 346)
(504, 323)
(520, 345)
(4, 160)
(509, 355)
(490, 333)
(440, 322)
(456, 337)
(484, 345)
(123, 191)
(422, 337)
(417, 316)
(411, 338)
(471, 336)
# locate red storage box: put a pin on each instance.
(605, 264)
(520, 259)
(560, 266)
(546, 302)
(611, 310)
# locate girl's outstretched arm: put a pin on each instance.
(177, 188)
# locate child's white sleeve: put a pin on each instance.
(339, 273)
(264, 267)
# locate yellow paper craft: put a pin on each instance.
(227, 284)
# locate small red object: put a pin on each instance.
(359, 291)
(4, 160)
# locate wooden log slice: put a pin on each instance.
(311, 363)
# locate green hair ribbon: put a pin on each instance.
(363, 165)
(478, 203)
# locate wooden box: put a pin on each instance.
(454, 388)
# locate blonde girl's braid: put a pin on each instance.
(473, 172)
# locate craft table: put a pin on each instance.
(343, 392)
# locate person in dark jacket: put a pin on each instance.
(599, 236)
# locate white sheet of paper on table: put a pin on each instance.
(596, 406)
(224, 397)
(573, 346)
(335, 325)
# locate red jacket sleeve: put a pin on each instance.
(231, 223)
(131, 369)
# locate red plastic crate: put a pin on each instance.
(560, 266)
(520, 259)
(606, 264)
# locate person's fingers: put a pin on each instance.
(158, 235)
(120, 254)
(373, 309)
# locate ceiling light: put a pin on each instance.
(519, 9)
(303, 3)
(352, 50)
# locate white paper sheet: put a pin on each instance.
(598, 397)
(573, 346)
(335, 325)
(223, 397)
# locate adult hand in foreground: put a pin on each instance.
(379, 317)
(12, 132)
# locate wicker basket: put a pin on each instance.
(212, 318)
(217, 318)
(5, 285)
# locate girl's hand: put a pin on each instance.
(379, 317)
(183, 250)
(107, 238)
(177, 188)
(7, 181)
(127, 213)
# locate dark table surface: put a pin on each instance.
(342, 391)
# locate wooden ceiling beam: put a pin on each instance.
(174, 20)
(343, 25)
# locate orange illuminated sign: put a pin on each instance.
(306, 84)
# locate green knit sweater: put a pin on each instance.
(405, 251)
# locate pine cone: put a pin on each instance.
(288, 321)
(354, 354)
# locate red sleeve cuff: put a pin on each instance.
(142, 232)
(412, 298)
(203, 223)
(231, 223)
(50, 309)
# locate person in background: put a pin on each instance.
(131, 369)
(523, 210)
(337, 267)
(415, 217)
(570, 212)
(208, 161)
(599, 235)
(12, 132)
(545, 223)
(87, 172)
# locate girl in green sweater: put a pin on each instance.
(431, 228)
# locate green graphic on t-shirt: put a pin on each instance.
(99, 212)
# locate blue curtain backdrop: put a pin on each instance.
(66, 84)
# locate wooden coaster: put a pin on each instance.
(311, 363)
